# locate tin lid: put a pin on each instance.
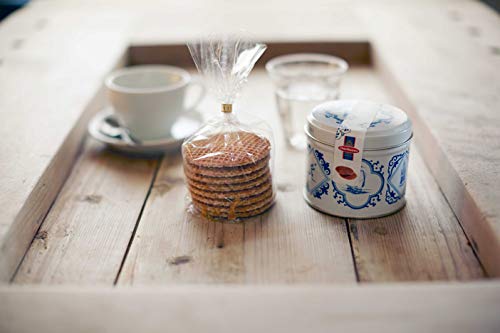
(390, 128)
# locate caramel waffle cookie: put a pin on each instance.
(226, 171)
(229, 149)
(232, 195)
(229, 187)
(226, 180)
(227, 202)
(235, 215)
(233, 208)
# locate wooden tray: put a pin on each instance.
(121, 220)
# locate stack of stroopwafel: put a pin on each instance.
(228, 175)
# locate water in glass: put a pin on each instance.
(303, 81)
(295, 101)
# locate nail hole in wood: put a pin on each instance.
(165, 185)
(284, 187)
(42, 235)
(90, 198)
(382, 231)
(179, 260)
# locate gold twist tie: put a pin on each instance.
(227, 108)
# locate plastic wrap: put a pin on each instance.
(228, 164)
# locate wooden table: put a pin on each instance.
(91, 240)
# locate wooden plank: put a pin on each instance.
(293, 243)
(169, 247)
(48, 90)
(422, 242)
(48, 75)
(449, 98)
(84, 237)
(425, 240)
(473, 25)
(427, 77)
(290, 244)
(443, 308)
(18, 232)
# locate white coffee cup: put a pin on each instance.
(148, 99)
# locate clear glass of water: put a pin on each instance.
(303, 81)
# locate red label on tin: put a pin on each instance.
(346, 172)
(349, 149)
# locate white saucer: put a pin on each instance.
(185, 125)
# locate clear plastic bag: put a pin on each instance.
(228, 164)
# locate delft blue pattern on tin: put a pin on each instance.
(346, 195)
(396, 177)
(339, 119)
(322, 186)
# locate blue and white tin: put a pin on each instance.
(384, 164)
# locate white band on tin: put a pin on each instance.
(349, 143)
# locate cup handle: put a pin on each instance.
(200, 96)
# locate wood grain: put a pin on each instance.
(18, 232)
(49, 89)
(170, 247)
(448, 308)
(84, 237)
(294, 243)
(53, 58)
(422, 242)
(289, 244)
(451, 91)
(444, 93)
(442, 59)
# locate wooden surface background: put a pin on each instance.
(441, 58)
(443, 308)
(76, 214)
(108, 226)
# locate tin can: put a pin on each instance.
(384, 161)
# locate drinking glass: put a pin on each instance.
(303, 81)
